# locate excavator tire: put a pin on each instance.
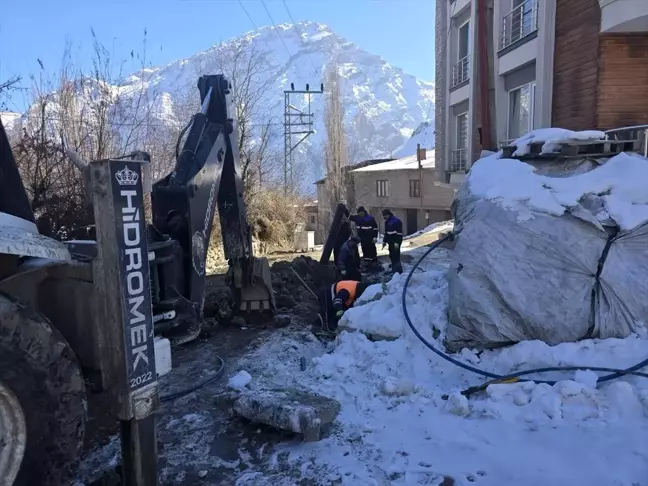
(42, 371)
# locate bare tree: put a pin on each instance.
(336, 147)
(86, 112)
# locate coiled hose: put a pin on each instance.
(494, 377)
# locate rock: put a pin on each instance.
(202, 473)
(289, 409)
(240, 380)
(282, 320)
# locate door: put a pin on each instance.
(412, 221)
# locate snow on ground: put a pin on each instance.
(436, 227)
(552, 138)
(395, 428)
(433, 228)
(621, 182)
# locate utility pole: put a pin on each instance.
(421, 154)
(296, 122)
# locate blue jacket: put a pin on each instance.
(393, 230)
(367, 227)
(347, 258)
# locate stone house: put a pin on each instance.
(404, 186)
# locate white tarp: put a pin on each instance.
(548, 257)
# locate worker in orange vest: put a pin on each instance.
(336, 299)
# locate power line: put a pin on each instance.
(253, 24)
(277, 30)
(300, 36)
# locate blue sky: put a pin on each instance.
(401, 31)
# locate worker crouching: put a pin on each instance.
(336, 299)
(347, 263)
(393, 239)
(368, 233)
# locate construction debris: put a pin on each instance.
(293, 410)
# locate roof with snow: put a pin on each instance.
(406, 163)
(351, 167)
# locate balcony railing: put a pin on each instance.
(460, 72)
(459, 159)
(519, 22)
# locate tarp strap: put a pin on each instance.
(597, 285)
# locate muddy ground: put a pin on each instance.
(200, 442)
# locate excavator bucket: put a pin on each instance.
(256, 293)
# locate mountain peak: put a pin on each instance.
(383, 105)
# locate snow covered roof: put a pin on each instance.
(406, 163)
(351, 168)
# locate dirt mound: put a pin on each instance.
(290, 293)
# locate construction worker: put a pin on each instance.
(344, 233)
(336, 299)
(393, 239)
(368, 233)
(347, 262)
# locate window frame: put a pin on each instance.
(461, 26)
(382, 184)
(416, 185)
(532, 92)
(457, 117)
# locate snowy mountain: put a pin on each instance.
(423, 135)
(383, 105)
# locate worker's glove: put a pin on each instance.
(375, 240)
(339, 314)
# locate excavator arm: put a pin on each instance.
(207, 176)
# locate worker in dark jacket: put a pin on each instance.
(347, 262)
(336, 299)
(368, 233)
(393, 239)
(344, 233)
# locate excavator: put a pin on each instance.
(48, 317)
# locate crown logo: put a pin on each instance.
(126, 177)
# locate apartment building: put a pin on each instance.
(505, 67)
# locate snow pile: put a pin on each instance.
(433, 228)
(396, 428)
(621, 183)
(383, 317)
(552, 138)
(440, 227)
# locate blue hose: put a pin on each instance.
(614, 372)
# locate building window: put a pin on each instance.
(460, 153)
(460, 68)
(521, 111)
(382, 188)
(415, 188)
(312, 219)
(521, 21)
